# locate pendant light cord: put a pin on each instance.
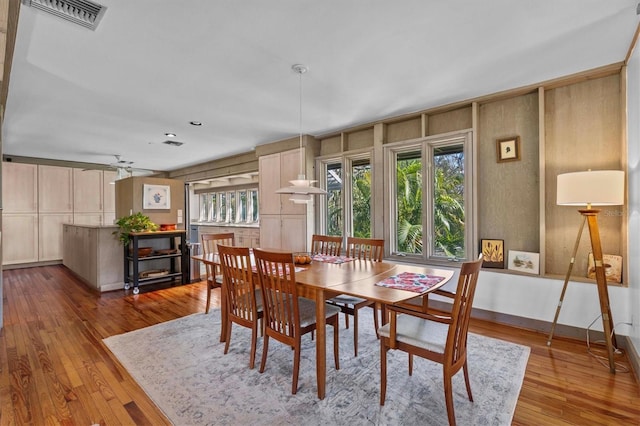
(300, 69)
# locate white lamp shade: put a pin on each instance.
(591, 188)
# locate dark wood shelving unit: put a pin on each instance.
(178, 261)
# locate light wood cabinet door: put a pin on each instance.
(276, 170)
(284, 232)
(270, 235)
(19, 188)
(55, 189)
(269, 170)
(109, 192)
(50, 231)
(293, 231)
(19, 238)
(289, 170)
(87, 191)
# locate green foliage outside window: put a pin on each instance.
(361, 191)
(448, 202)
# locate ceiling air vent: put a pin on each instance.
(81, 12)
(173, 143)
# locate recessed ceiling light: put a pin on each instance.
(170, 135)
(195, 123)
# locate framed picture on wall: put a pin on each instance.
(508, 149)
(492, 253)
(524, 261)
(612, 267)
(156, 197)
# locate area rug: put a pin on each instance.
(181, 366)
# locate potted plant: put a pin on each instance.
(136, 222)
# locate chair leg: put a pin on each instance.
(346, 321)
(227, 337)
(206, 309)
(448, 397)
(383, 371)
(410, 364)
(466, 380)
(296, 367)
(355, 332)
(376, 325)
(265, 349)
(254, 341)
(336, 344)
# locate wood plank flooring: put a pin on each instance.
(56, 371)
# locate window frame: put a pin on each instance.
(346, 161)
(426, 147)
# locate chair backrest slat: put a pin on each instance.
(326, 245)
(276, 272)
(365, 248)
(461, 309)
(238, 282)
(210, 246)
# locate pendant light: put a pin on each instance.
(301, 189)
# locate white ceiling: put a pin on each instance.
(152, 66)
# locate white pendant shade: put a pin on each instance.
(591, 188)
(301, 189)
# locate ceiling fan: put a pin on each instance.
(124, 168)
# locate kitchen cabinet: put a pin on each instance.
(19, 188)
(50, 230)
(109, 197)
(276, 170)
(55, 189)
(285, 232)
(87, 191)
(283, 224)
(19, 238)
(244, 236)
(39, 199)
(94, 255)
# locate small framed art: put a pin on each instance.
(508, 149)
(612, 267)
(156, 197)
(492, 253)
(524, 261)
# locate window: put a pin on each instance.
(222, 207)
(430, 198)
(229, 206)
(242, 207)
(212, 207)
(346, 210)
(253, 206)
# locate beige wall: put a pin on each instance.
(129, 199)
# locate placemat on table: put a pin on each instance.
(411, 281)
(331, 259)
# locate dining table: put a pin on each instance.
(386, 283)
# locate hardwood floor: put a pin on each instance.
(56, 371)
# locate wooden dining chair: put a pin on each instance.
(286, 315)
(214, 273)
(365, 249)
(439, 337)
(326, 244)
(244, 299)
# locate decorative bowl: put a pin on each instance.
(302, 258)
(143, 251)
(168, 227)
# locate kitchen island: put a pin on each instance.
(94, 254)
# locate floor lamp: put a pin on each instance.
(592, 188)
